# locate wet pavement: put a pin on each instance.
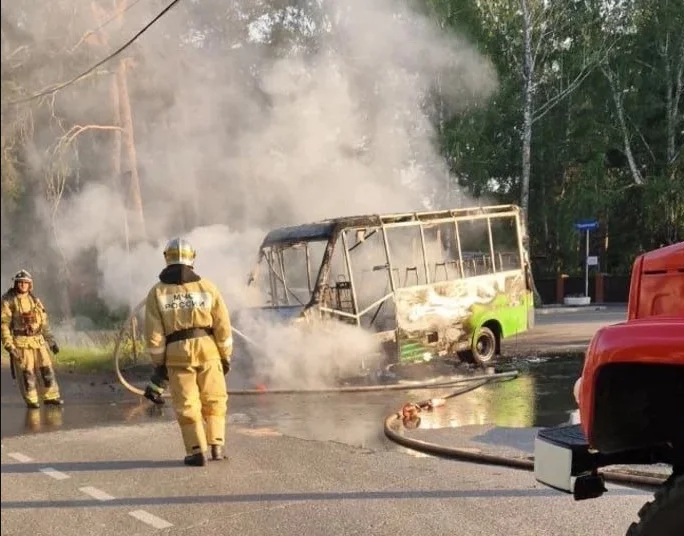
(540, 396)
(114, 480)
(301, 463)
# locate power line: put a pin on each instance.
(85, 73)
(114, 17)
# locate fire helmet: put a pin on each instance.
(22, 275)
(179, 251)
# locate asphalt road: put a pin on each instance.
(128, 480)
(299, 465)
(564, 329)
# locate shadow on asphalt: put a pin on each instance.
(295, 497)
(91, 466)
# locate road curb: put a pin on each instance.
(570, 309)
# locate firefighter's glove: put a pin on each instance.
(157, 385)
(54, 348)
(14, 355)
(153, 393)
(160, 376)
(225, 365)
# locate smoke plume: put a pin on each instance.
(260, 115)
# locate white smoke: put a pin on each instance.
(229, 144)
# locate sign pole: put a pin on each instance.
(587, 226)
(586, 265)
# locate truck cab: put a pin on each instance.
(630, 397)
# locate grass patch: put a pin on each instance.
(91, 359)
(85, 359)
(97, 359)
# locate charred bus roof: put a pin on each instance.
(299, 233)
(325, 229)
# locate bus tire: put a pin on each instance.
(664, 515)
(484, 345)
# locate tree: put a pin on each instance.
(645, 75)
(538, 38)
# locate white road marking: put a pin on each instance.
(19, 457)
(96, 493)
(153, 521)
(54, 473)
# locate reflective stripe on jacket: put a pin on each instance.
(175, 307)
(24, 321)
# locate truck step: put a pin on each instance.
(570, 436)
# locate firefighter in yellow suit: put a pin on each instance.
(188, 337)
(28, 339)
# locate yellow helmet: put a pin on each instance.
(179, 251)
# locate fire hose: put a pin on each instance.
(431, 384)
(409, 414)
(409, 418)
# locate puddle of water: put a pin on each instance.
(17, 420)
(541, 396)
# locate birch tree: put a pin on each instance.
(645, 75)
(536, 35)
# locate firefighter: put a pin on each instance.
(188, 337)
(27, 337)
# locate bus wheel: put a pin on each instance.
(484, 346)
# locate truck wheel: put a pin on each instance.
(484, 346)
(664, 516)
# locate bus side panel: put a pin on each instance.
(441, 318)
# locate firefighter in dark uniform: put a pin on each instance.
(189, 340)
(27, 337)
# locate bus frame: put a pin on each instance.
(485, 300)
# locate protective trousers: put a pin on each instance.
(200, 401)
(31, 364)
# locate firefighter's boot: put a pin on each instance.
(217, 452)
(196, 460)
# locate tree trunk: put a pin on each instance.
(528, 93)
(673, 93)
(619, 109)
(116, 154)
(131, 173)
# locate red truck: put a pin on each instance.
(631, 399)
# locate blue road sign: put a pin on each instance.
(586, 225)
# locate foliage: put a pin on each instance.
(607, 112)
(622, 111)
(99, 314)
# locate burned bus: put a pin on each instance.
(424, 284)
